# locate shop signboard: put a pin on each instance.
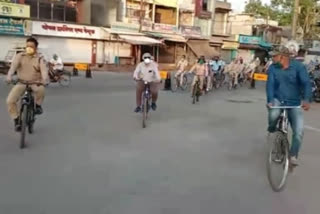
(191, 31)
(168, 3)
(14, 10)
(230, 45)
(164, 28)
(65, 30)
(255, 40)
(10, 26)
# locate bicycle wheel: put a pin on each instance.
(194, 94)
(31, 120)
(278, 162)
(144, 112)
(65, 79)
(184, 85)
(174, 82)
(24, 124)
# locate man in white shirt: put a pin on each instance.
(147, 71)
(56, 65)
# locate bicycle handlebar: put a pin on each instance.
(27, 83)
(285, 107)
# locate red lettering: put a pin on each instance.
(48, 27)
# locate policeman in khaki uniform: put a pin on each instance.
(30, 67)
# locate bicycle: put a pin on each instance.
(279, 151)
(146, 96)
(196, 92)
(27, 111)
(176, 83)
(62, 77)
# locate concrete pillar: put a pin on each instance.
(84, 12)
(213, 13)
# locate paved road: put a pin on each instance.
(89, 155)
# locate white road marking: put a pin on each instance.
(311, 128)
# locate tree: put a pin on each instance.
(282, 11)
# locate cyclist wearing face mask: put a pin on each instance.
(200, 69)
(30, 67)
(147, 71)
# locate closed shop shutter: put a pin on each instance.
(116, 49)
(100, 52)
(9, 42)
(70, 50)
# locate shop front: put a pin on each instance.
(73, 43)
(252, 47)
(229, 50)
(12, 26)
(174, 43)
(11, 35)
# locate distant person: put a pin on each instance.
(200, 69)
(181, 67)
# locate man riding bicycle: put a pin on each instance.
(216, 66)
(181, 66)
(147, 71)
(288, 85)
(201, 71)
(30, 67)
(56, 66)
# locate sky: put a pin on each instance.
(238, 5)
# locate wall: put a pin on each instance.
(10, 42)
(220, 22)
(166, 15)
(84, 8)
(186, 18)
(104, 13)
(241, 24)
(206, 24)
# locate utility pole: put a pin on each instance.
(295, 19)
(141, 15)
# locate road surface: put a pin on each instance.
(89, 155)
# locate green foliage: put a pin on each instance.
(282, 11)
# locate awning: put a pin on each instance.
(139, 40)
(168, 37)
(202, 48)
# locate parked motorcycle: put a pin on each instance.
(315, 84)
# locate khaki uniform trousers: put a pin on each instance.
(16, 93)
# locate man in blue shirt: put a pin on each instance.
(288, 85)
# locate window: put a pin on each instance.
(57, 10)
(58, 13)
(205, 5)
(45, 10)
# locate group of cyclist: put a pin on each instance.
(288, 83)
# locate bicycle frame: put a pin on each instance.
(283, 121)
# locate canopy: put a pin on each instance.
(139, 40)
(168, 37)
(202, 48)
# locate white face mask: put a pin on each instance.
(147, 61)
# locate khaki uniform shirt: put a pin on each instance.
(29, 68)
(200, 70)
(182, 64)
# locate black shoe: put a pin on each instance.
(154, 106)
(138, 109)
(38, 110)
(17, 125)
